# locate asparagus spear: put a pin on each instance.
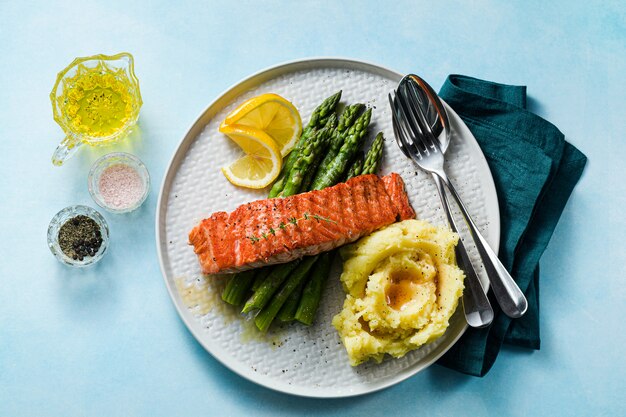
(260, 277)
(264, 294)
(349, 115)
(346, 121)
(312, 149)
(241, 283)
(310, 174)
(324, 110)
(357, 166)
(331, 123)
(280, 182)
(267, 314)
(312, 292)
(288, 311)
(318, 119)
(237, 287)
(374, 155)
(350, 147)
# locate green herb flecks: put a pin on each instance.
(292, 220)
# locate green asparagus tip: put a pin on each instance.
(374, 155)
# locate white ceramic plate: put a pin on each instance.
(293, 358)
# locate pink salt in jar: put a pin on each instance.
(119, 182)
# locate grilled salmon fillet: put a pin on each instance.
(395, 188)
(279, 230)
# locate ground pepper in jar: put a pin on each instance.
(80, 236)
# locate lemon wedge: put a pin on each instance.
(273, 115)
(262, 162)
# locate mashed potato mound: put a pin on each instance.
(402, 286)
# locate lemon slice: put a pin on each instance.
(272, 114)
(262, 162)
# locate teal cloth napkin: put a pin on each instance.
(535, 171)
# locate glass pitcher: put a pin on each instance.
(95, 100)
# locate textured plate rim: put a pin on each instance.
(192, 133)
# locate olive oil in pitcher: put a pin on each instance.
(96, 101)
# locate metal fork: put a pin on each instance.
(416, 136)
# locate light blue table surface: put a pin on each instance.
(107, 341)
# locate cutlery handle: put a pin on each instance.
(507, 293)
(476, 306)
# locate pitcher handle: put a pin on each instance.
(66, 149)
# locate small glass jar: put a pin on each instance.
(109, 160)
(59, 220)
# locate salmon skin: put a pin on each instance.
(279, 230)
